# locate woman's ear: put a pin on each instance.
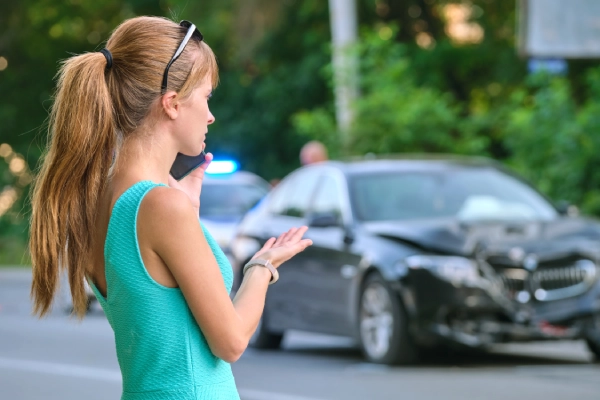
(170, 104)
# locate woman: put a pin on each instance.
(105, 208)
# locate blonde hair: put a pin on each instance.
(94, 108)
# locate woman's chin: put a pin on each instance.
(194, 151)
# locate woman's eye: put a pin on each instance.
(209, 95)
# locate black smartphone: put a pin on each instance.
(184, 165)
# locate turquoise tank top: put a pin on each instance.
(162, 352)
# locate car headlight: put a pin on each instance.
(454, 269)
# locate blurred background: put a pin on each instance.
(515, 81)
(434, 76)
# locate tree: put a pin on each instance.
(437, 75)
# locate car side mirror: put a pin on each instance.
(323, 220)
(567, 209)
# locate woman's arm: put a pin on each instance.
(170, 226)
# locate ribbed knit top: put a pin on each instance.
(162, 352)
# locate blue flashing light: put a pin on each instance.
(222, 167)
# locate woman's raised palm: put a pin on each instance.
(288, 244)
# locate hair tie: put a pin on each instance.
(108, 57)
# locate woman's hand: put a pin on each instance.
(192, 184)
(286, 246)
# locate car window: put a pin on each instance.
(328, 198)
(466, 194)
(278, 195)
(229, 201)
(293, 195)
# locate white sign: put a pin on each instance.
(559, 28)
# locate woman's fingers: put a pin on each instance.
(294, 235)
(266, 247)
(268, 244)
(298, 234)
(279, 240)
(291, 249)
(280, 254)
(289, 234)
(207, 159)
(302, 245)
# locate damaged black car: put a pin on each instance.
(410, 254)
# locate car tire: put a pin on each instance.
(593, 336)
(263, 338)
(383, 325)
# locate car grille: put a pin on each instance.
(547, 283)
(558, 283)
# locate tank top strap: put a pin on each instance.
(127, 205)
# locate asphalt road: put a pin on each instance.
(61, 358)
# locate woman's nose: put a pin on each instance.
(211, 118)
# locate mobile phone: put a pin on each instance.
(184, 165)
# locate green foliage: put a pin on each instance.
(421, 89)
(257, 98)
(543, 137)
(554, 142)
(319, 124)
(13, 251)
(35, 36)
(393, 114)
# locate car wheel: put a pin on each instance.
(263, 338)
(383, 325)
(593, 336)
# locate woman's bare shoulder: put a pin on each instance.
(166, 210)
(165, 200)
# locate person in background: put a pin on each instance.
(313, 152)
(105, 208)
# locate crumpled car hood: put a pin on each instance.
(450, 236)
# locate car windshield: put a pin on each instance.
(228, 201)
(466, 194)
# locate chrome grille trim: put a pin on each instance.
(556, 283)
(548, 283)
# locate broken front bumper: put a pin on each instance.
(481, 312)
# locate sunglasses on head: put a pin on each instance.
(191, 31)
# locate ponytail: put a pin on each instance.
(73, 175)
(83, 131)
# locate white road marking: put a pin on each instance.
(61, 369)
(111, 375)
(251, 394)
